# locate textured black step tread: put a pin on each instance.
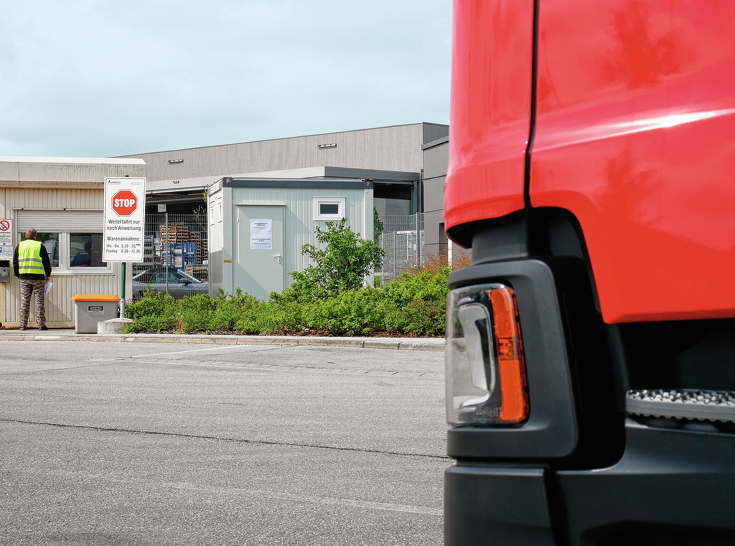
(703, 405)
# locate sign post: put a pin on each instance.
(124, 230)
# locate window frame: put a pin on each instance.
(64, 267)
(65, 223)
(80, 269)
(339, 201)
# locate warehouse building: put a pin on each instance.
(177, 178)
(392, 159)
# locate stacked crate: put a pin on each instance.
(170, 237)
(200, 238)
(148, 250)
(174, 234)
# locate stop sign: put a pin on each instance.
(124, 202)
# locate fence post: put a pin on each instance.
(166, 255)
(381, 240)
(418, 242)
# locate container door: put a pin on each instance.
(260, 267)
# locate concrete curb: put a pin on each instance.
(411, 344)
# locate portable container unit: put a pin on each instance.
(63, 199)
(257, 227)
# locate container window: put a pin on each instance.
(329, 208)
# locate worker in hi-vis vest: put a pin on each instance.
(32, 266)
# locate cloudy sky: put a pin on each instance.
(96, 78)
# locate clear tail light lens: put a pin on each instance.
(485, 370)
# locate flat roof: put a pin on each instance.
(297, 183)
(72, 160)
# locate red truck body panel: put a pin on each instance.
(491, 109)
(634, 135)
(603, 195)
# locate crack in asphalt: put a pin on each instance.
(47, 370)
(222, 439)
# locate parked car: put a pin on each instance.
(168, 280)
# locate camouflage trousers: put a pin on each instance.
(27, 288)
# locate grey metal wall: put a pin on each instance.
(396, 148)
(436, 161)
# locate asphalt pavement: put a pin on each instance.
(254, 440)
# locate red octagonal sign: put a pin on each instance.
(124, 202)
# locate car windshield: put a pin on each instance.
(162, 275)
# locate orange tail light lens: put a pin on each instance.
(485, 369)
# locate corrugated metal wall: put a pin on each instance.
(396, 148)
(59, 305)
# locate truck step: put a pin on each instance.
(703, 405)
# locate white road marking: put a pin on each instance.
(277, 495)
(221, 347)
(352, 503)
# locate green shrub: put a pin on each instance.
(151, 304)
(419, 317)
(351, 313)
(230, 309)
(414, 304)
(267, 318)
(150, 323)
(342, 265)
(424, 285)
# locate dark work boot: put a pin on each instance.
(22, 328)
(43, 327)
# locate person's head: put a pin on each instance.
(31, 233)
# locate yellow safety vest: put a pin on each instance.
(29, 258)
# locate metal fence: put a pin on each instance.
(402, 239)
(175, 255)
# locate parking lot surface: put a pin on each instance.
(109, 442)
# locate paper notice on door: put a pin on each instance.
(261, 233)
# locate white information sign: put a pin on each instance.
(6, 238)
(124, 219)
(261, 233)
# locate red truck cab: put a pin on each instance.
(591, 344)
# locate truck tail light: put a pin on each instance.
(485, 370)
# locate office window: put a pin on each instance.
(73, 239)
(85, 250)
(73, 252)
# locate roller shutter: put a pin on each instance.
(67, 221)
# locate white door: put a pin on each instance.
(260, 267)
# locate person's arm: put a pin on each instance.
(16, 267)
(46, 262)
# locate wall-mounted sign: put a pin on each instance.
(124, 227)
(214, 188)
(261, 233)
(6, 239)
